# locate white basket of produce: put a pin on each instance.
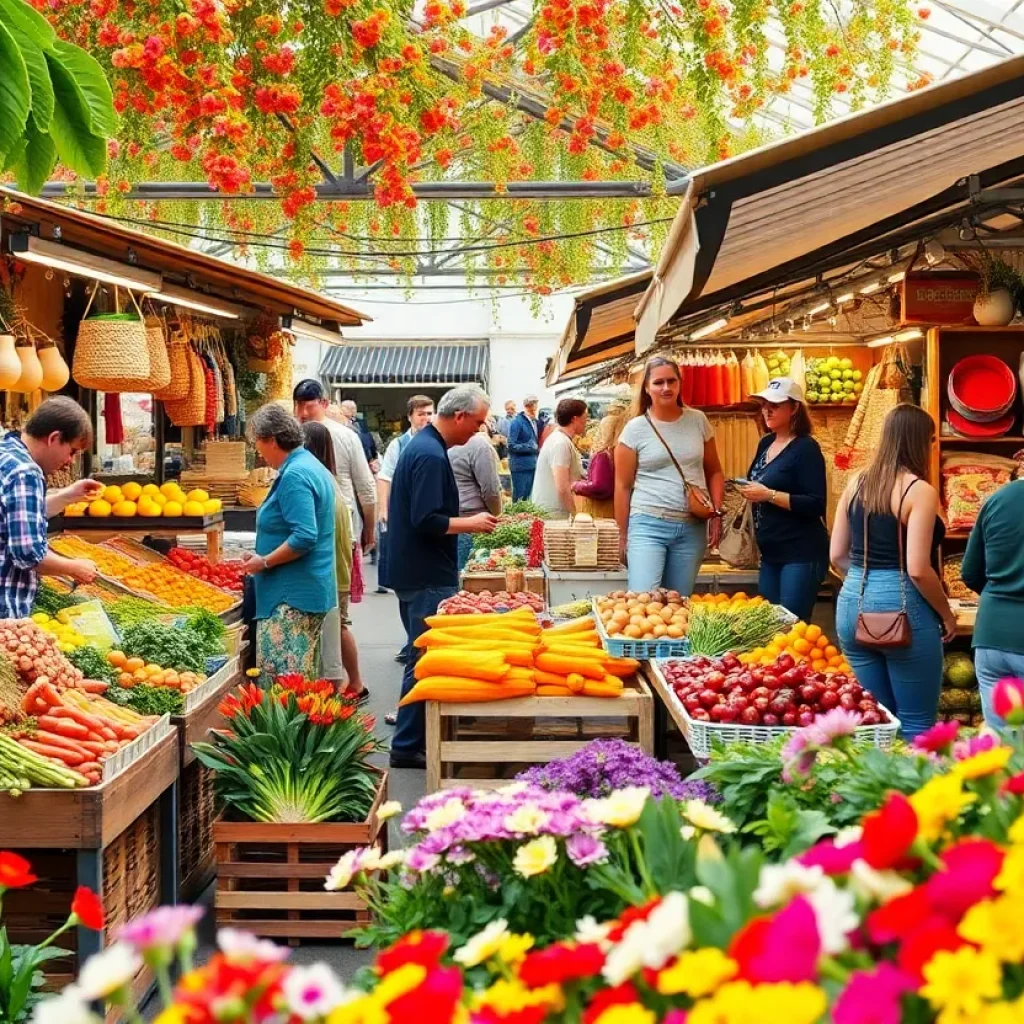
(622, 646)
(117, 762)
(202, 692)
(701, 678)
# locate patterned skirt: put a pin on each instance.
(289, 641)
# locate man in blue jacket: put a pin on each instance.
(423, 528)
(523, 446)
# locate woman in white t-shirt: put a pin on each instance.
(559, 464)
(662, 544)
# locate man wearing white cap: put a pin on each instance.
(786, 486)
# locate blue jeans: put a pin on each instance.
(991, 665)
(665, 553)
(415, 606)
(522, 484)
(794, 585)
(907, 680)
(465, 547)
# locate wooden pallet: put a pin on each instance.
(508, 736)
(270, 877)
(197, 812)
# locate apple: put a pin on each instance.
(708, 698)
(789, 718)
(771, 680)
(760, 704)
(784, 662)
(769, 719)
(848, 701)
(723, 713)
(829, 699)
(740, 703)
(871, 718)
(750, 716)
(714, 681)
(691, 702)
(780, 707)
(700, 715)
(805, 718)
(810, 692)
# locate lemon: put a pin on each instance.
(64, 616)
(168, 488)
(198, 495)
(76, 508)
(150, 489)
(161, 499)
(149, 508)
(112, 494)
(65, 648)
(172, 508)
(40, 618)
(211, 506)
(125, 508)
(193, 508)
(100, 508)
(132, 491)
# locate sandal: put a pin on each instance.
(357, 698)
(391, 718)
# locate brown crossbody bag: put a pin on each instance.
(884, 630)
(698, 501)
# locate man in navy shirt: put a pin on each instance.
(423, 528)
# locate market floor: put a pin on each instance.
(380, 635)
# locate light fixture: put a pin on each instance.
(175, 295)
(303, 329)
(30, 249)
(703, 332)
(908, 335)
(843, 299)
(887, 339)
(819, 309)
(934, 252)
(868, 289)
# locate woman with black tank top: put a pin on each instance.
(886, 536)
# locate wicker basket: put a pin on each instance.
(177, 358)
(159, 362)
(111, 352)
(578, 545)
(190, 411)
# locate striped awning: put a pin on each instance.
(405, 364)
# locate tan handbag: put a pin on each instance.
(698, 501)
(884, 630)
(738, 546)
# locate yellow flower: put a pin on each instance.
(1011, 875)
(938, 802)
(483, 945)
(388, 809)
(365, 1010)
(627, 1013)
(401, 981)
(173, 1015)
(527, 819)
(1016, 833)
(962, 980)
(697, 974)
(739, 1002)
(252, 673)
(536, 856)
(515, 948)
(510, 995)
(703, 816)
(619, 809)
(447, 814)
(994, 1013)
(994, 925)
(985, 763)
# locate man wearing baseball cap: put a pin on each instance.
(787, 489)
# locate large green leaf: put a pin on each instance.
(18, 14)
(38, 77)
(37, 160)
(78, 148)
(94, 85)
(15, 93)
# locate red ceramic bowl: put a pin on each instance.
(966, 428)
(983, 385)
(972, 414)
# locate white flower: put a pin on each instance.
(451, 811)
(107, 971)
(834, 912)
(388, 809)
(512, 789)
(687, 832)
(66, 1008)
(310, 993)
(536, 856)
(627, 957)
(589, 930)
(877, 886)
(238, 945)
(527, 820)
(779, 883)
(706, 818)
(483, 945)
(651, 943)
(350, 864)
(391, 860)
(702, 894)
(619, 809)
(845, 836)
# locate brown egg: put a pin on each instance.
(660, 630)
(666, 614)
(675, 631)
(654, 606)
(632, 631)
(637, 620)
(613, 628)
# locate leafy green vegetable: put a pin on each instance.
(207, 625)
(524, 507)
(180, 648)
(51, 600)
(148, 700)
(93, 664)
(129, 611)
(506, 535)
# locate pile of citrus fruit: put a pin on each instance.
(135, 499)
(134, 671)
(805, 645)
(68, 638)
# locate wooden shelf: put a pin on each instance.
(982, 440)
(957, 534)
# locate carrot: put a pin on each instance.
(64, 727)
(56, 740)
(28, 702)
(621, 666)
(89, 767)
(131, 732)
(564, 664)
(546, 690)
(77, 715)
(575, 651)
(93, 686)
(583, 624)
(58, 753)
(542, 678)
(98, 749)
(49, 693)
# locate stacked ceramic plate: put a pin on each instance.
(982, 390)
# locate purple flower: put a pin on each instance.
(833, 725)
(798, 756)
(164, 927)
(420, 862)
(584, 850)
(964, 749)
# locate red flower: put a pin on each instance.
(784, 947)
(969, 869)
(933, 935)
(631, 915)
(15, 871)
(832, 859)
(560, 963)
(938, 738)
(418, 947)
(899, 918)
(1014, 784)
(432, 1002)
(88, 908)
(619, 995)
(889, 833)
(1008, 700)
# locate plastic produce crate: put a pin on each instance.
(641, 650)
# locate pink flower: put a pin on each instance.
(244, 947)
(938, 739)
(967, 876)
(832, 859)
(784, 947)
(584, 850)
(964, 749)
(1008, 700)
(833, 725)
(873, 997)
(163, 928)
(798, 756)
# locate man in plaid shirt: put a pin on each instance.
(53, 435)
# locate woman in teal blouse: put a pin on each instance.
(294, 560)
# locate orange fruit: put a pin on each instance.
(818, 665)
(134, 664)
(125, 508)
(813, 632)
(132, 491)
(100, 508)
(150, 489)
(821, 643)
(845, 668)
(836, 661)
(831, 651)
(801, 646)
(151, 669)
(193, 508)
(117, 658)
(800, 628)
(125, 679)
(198, 495)
(112, 494)
(140, 676)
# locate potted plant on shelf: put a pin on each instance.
(1001, 290)
(293, 773)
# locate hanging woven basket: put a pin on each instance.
(159, 362)
(177, 361)
(111, 353)
(190, 411)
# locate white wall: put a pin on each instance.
(517, 368)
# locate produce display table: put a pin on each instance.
(120, 839)
(99, 530)
(665, 709)
(579, 584)
(523, 731)
(474, 582)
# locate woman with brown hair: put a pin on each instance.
(786, 486)
(597, 492)
(669, 484)
(886, 536)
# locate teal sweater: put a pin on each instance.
(993, 567)
(298, 510)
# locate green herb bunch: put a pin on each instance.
(178, 647)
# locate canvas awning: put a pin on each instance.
(402, 363)
(752, 222)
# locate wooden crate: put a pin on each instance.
(474, 582)
(197, 812)
(509, 735)
(270, 877)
